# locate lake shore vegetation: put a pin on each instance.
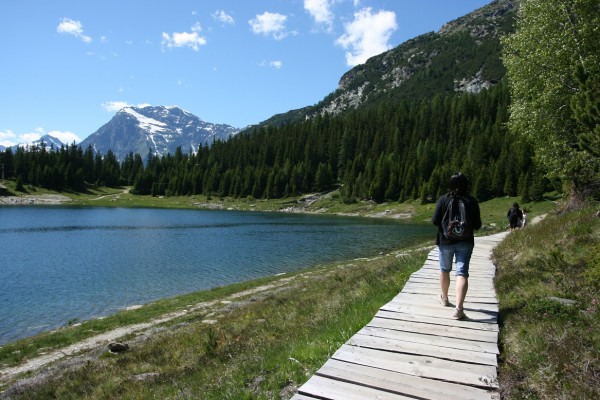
(263, 344)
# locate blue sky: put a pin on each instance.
(69, 65)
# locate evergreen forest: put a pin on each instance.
(393, 151)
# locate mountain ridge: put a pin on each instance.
(157, 129)
(462, 56)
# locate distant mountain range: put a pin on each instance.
(49, 142)
(157, 129)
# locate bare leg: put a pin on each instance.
(445, 283)
(462, 285)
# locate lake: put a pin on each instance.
(60, 263)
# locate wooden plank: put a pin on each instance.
(432, 300)
(395, 382)
(439, 337)
(432, 329)
(430, 288)
(430, 296)
(428, 367)
(302, 397)
(437, 346)
(422, 319)
(443, 312)
(324, 388)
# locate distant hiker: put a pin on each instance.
(456, 215)
(514, 216)
(524, 219)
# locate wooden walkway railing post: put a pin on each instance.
(413, 348)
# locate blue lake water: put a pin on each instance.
(59, 264)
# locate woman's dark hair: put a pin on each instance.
(459, 185)
(515, 205)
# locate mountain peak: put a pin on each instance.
(160, 129)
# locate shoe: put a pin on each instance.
(444, 301)
(459, 314)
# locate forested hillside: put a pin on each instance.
(393, 152)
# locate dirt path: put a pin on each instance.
(35, 199)
(115, 196)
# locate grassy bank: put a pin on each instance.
(548, 284)
(260, 346)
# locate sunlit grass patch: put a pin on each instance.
(548, 307)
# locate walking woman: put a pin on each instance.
(456, 209)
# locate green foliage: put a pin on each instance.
(553, 61)
(586, 110)
(67, 168)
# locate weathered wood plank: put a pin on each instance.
(422, 319)
(424, 328)
(428, 367)
(442, 312)
(438, 347)
(431, 299)
(303, 397)
(409, 385)
(323, 388)
(430, 296)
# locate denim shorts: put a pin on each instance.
(462, 251)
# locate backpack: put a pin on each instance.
(455, 222)
(513, 213)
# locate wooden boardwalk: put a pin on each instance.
(413, 348)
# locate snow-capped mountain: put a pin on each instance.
(50, 142)
(158, 129)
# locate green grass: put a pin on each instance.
(551, 350)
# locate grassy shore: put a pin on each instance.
(255, 340)
(256, 346)
(548, 284)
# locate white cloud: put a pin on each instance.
(269, 24)
(320, 10)
(7, 138)
(72, 27)
(185, 39)
(223, 17)
(112, 106)
(30, 137)
(65, 137)
(367, 35)
(275, 64)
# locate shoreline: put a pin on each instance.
(211, 311)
